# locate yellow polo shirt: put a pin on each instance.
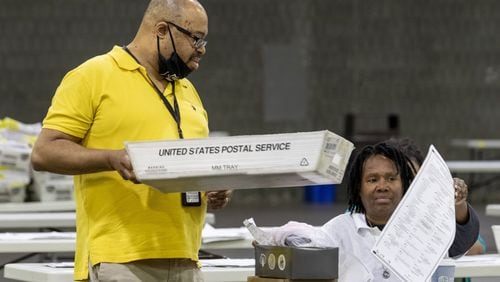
(106, 101)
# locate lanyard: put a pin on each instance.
(187, 198)
(174, 111)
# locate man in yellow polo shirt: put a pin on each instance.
(128, 231)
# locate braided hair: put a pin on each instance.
(409, 148)
(355, 177)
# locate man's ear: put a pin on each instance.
(161, 29)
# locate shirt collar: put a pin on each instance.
(123, 59)
(360, 223)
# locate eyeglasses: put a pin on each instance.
(198, 41)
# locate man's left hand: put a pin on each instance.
(218, 199)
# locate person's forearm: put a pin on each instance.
(465, 235)
(66, 157)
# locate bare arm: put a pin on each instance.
(57, 152)
(476, 249)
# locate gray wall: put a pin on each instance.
(288, 65)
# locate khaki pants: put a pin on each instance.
(150, 270)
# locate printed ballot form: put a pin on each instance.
(422, 228)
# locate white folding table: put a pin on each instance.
(51, 242)
(40, 272)
(55, 206)
(477, 166)
(487, 265)
(468, 266)
(68, 245)
(37, 220)
(32, 219)
(493, 210)
(476, 144)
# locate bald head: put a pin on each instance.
(170, 10)
(169, 22)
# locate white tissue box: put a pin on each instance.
(241, 162)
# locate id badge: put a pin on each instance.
(191, 199)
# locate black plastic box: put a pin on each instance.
(296, 263)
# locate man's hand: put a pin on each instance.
(218, 199)
(120, 161)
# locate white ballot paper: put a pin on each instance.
(422, 228)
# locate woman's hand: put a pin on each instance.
(461, 191)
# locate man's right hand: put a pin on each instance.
(58, 152)
(120, 161)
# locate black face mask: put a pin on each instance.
(173, 68)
